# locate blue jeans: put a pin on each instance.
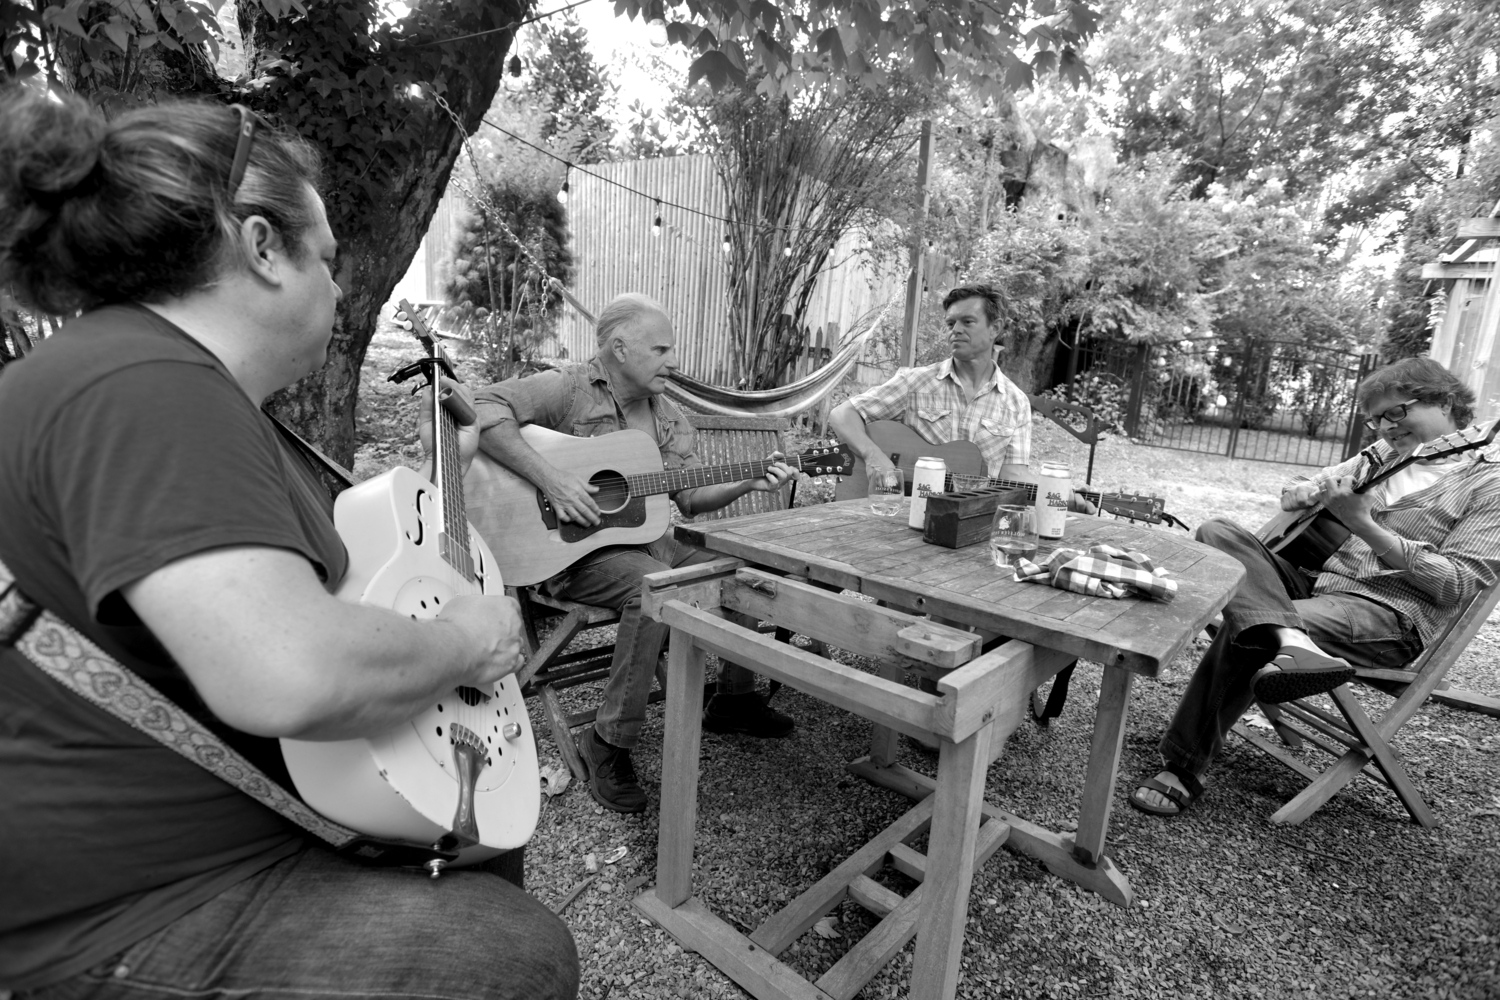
(611, 578)
(315, 925)
(1273, 592)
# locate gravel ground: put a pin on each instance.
(1356, 902)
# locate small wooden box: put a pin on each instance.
(955, 520)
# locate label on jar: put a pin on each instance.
(1054, 487)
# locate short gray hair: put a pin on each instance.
(622, 313)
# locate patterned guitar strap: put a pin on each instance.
(73, 660)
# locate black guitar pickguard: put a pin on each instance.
(632, 515)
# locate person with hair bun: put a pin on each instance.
(1422, 543)
(149, 502)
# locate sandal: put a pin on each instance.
(1180, 799)
(1297, 672)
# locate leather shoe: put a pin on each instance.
(746, 713)
(612, 780)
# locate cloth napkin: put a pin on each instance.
(1104, 571)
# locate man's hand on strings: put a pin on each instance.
(1348, 506)
(778, 474)
(468, 433)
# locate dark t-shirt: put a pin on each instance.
(125, 445)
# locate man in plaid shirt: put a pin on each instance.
(964, 398)
(1423, 542)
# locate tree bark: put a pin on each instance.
(378, 232)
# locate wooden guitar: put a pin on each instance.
(533, 545)
(1306, 538)
(963, 458)
(463, 773)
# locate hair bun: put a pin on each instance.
(60, 153)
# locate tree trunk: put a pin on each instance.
(378, 229)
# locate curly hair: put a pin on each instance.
(1424, 380)
(137, 209)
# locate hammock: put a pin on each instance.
(784, 401)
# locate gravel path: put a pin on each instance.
(1356, 902)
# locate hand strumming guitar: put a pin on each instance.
(1302, 496)
(493, 625)
(572, 497)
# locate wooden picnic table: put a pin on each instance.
(788, 567)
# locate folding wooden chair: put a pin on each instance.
(1358, 742)
(720, 440)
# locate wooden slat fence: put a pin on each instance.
(684, 268)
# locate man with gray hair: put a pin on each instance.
(621, 388)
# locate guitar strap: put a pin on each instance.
(76, 662)
(336, 478)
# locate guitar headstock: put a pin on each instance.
(1133, 506)
(410, 319)
(1467, 439)
(828, 459)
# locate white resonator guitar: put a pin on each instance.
(462, 775)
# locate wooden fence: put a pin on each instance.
(616, 250)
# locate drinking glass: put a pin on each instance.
(887, 491)
(1013, 535)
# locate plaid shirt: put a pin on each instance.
(931, 402)
(1450, 537)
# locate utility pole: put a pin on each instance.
(918, 253)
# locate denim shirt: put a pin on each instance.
(577, 399)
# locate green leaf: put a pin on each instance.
(118, 32)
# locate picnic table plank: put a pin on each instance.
(842, 544)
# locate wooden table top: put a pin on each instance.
(846, 545)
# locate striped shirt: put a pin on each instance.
(931, 402)
(1450, 538)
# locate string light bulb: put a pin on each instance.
(726, 242)
(656, 32)
(562, 194)
(786, 251)
(656, 226)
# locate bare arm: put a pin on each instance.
(274, 654)
(850, 428)
(571, 495)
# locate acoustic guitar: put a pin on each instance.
(534, 545)
(963, 458)
(463, 773)
(1306, 538)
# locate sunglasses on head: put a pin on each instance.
(249, 120)
(1393, 414)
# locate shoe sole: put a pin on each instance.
(588, 769)
(1273, 686)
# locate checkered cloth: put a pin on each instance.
(1104, 572)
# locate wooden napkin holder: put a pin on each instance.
(955, 520)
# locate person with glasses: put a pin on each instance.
(1422, 543)
(148, 502)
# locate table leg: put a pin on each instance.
(959, 798)
(884, 739)
(1104, 765)
(679, 769)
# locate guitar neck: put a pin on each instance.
(670, 481)
(1030, 488)
(447, 474)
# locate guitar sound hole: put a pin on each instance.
(472, 696)
(614, 491)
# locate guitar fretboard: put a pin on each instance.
(670, 481)
(1030, 488)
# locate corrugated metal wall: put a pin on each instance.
(615, 251)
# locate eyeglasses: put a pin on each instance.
(1393, 414)
(248, 120)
